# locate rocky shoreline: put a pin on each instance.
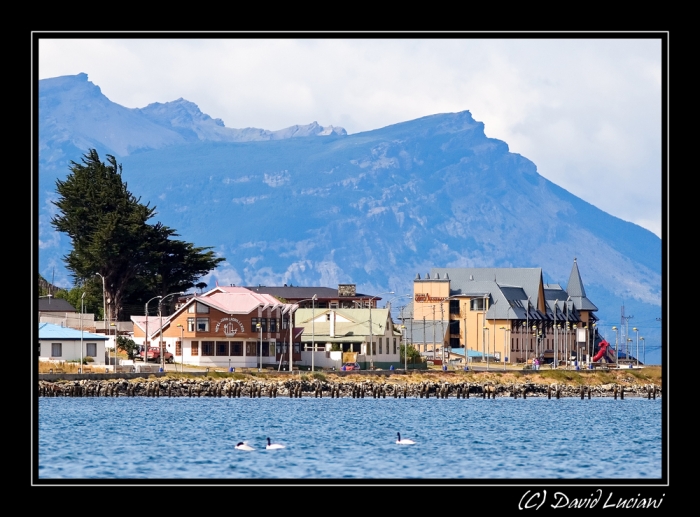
(298, 388)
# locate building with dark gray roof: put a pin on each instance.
(510, 311)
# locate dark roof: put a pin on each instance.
(55, 305)
(301, 293)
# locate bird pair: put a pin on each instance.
(243, 446)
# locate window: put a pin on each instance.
(192, 308)
(274, 326)
(454, 306)
(454, 327)
(380, 345)
(202, 324)
(250, 348)
(374, 348)
(236, 348)
(202, 309)
(394, 345)
(91, 349)
(207, 347)
(195, 347)
(178, 347)
(56, 349)
(284, 324)
(263, 324)
(273, 349)
(222, 348)
(477, 304)
(334, 305)
(190, 324)
(254, 324)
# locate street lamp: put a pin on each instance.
(505, 336)
(259, 327)
(574, 344)
(182, 348)
(537, 341)
(405, 348)
(592, 349)
(636, 330)
(145, 340)
(485, 332)
(617, 354)
(115, 343)
(313, 342)
(82, 304)
(160, 314)
(371, 336)
(644, 351)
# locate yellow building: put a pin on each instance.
(509, 314)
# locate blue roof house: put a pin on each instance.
(57, 343)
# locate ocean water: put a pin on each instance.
(470, 439)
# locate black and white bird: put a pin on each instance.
(243, 446)
(405, 441)
(273, 445)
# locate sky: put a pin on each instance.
(587, 111)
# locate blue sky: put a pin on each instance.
(586, 111)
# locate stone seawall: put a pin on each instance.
(297, 388)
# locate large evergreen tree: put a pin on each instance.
(111, 235)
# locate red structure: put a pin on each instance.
(603, 348)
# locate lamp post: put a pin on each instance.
(182, 348)
(486, 330)
(537, 341)
(259, 327)
(145, 340)
(554, 330)
(115, 343)
(82, 305)
(636, 330)
(592, 349)
(160, 314)
(371, 333)
(405, 348)
(313, 314)
(574, 344)
(505, 336)
(644, 351)
(400, 310)
(617, 354)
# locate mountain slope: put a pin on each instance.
(373, 208)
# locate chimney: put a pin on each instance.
(332, 325)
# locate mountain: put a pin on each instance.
(309, 205)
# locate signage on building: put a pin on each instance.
(231, 326)
(424, 298)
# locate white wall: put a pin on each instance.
(71, 350)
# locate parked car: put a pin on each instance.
(154, 355)
(350, 366)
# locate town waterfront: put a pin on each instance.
(471, 439)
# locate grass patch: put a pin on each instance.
(319, 376)
(562, 376)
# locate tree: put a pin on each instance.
(111, 235)
(128, 345)
(413, 353)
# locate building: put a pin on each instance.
(509, 313)
(345, 297)
(225, 327)
(350, 331)
(58, 343)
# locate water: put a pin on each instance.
(194, 438)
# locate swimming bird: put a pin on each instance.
(242, 446)
(405, 441)
(273, 445)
